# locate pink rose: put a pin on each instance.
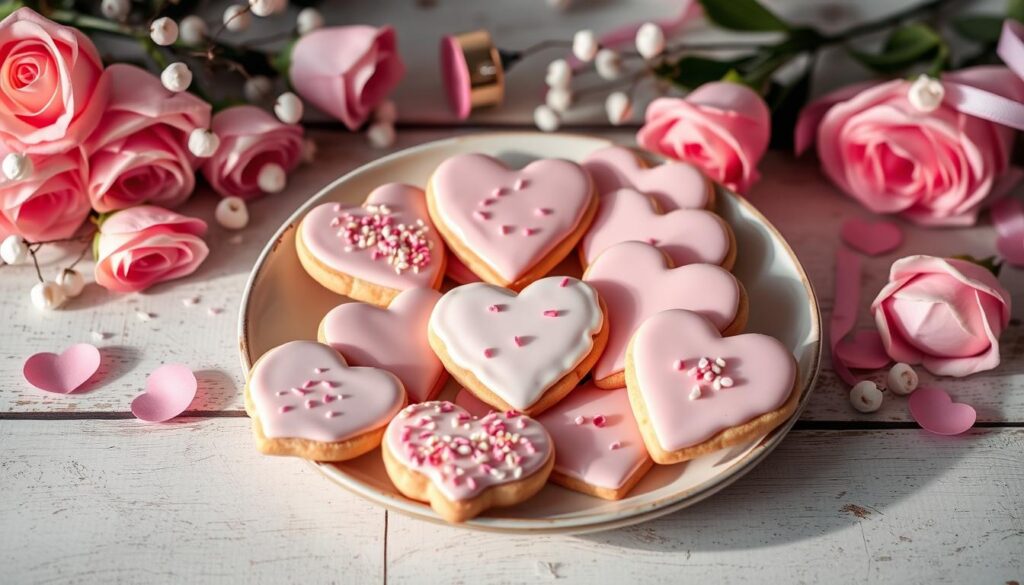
(721, 127)
(139, 152)
(51, 93)
(945, 314)
(51, 203)
(250, 139)
(141, 246)
(933, 168)
(346, 71)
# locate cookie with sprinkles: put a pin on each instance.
(438, 453)
(374, 251)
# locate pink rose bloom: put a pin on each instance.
(945, 314)
(51, 93)
(249, 139)
(51, 203)
(139, 152)
(346, 71)
(721, 127)
(934, 168)
(141, 246)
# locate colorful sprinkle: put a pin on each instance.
(541, 211)
(614, 446)
(580, 419)
(600, 420)
(489, 352)
(519, 184)
(726, 382)
(499, 192)
(494, 308)
(695, 393)
(518, 341)
(312, 404)
(319, 370)
(678, 365)
(332, 414)
(564, 283)
(485, 202)
(652, 241)
(404, 247)
(328, 398)
(529, 231)
(506, 229)
(551, 313)
(285, 409)
(300, 391)
(481, 215)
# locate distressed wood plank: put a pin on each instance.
(826, 507)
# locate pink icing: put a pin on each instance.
(584, 451)
(762, 373)
(463, 455)
(515, 237)
(688, 236)
(325, 235)
(392, 339)
(363, 399)
(635, 282)
(674, 185)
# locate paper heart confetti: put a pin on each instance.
(673, 185)
(169, 390)
(936, 412)
(65, 372)
(871, 237)
(863, 350)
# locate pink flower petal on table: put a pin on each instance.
(844, 307)
(863, 350)
(64, 373)
(169, 391)
(936, 412)
(871, 237)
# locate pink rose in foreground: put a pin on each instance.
(139, 152)
(250, 138)
(346, 71)
(945, 314)
(721, 127)
(51, 93)
(51, 203)
(141, 246)
(934, 168)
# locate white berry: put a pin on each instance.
(203, 143)
(17, 166)
(619, 108)
(116, 9)
(650, 40)
(232, 213)
(163, 31)
(309, 20)
(901, 379)
(47, 296)
(584, 45)
(546, 119)
(271, 178)
(288, 108)
(558, 99)
(865, 396)
(176, 77)
(926, 94)
(267, 7)
(608, 64)
(192, 30)
(257, 88)
(237, 18)
(559, 74)
(386, 112)
(308, 150)
(381, 134)
(14, 250)
(71, 282)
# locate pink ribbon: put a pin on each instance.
(844, 307)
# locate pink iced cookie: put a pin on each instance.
(458, 271)
(392, 339)
(372, 252)
(694, 391)
(674, 185)
(306, 401)
(508, 226)
(636, 280)
(437, 452)
(599, 450)
(687, 236)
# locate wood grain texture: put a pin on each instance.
(826, 507)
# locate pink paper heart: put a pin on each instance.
(64, 373)
(863, 350)
(673, 185)
(169, 390)
(871, 238)
(936, 412)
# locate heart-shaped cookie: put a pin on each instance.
(519, 352)
(636, 280)
(673, 185)
(437, 452)
(393, 339)
(372, 252)
(686, 236)
(305, 400)
(65, 372)
(508, 226)
(694, 391)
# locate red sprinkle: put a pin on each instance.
(500, 191)
(615, 445)
(529, 231)
(541, 211)
(564, 283)
(551, 313)
(311, 403)
(285, 409)
(652, 241)
(600, 421)
(494, 308)
(506, 229)
(519, 341)
(489, 352)
(518, 186)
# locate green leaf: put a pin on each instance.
(691, 71)
(748, 15)
(979, 28)
(990, 263)
(906, 45)
(1015, 10)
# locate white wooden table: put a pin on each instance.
(92, 495)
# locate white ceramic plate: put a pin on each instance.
(282, 303)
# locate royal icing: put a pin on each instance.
(389, 240)
(463, 455)
(673, 185)
(510, 219)
(635, 281)
(393, 339)
(688, 236)
(597, 440)
(519, 346)
(305, 390)
(738, 378)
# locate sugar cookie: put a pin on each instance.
(673, 185)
